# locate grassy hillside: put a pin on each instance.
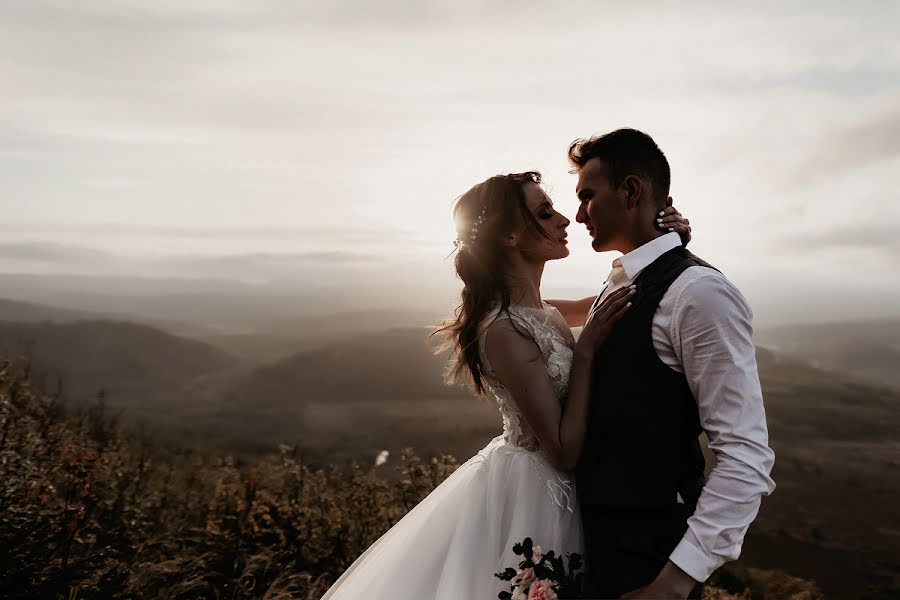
(833, 517)
(90, 512)
(834, 437)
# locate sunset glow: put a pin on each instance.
(133, 135)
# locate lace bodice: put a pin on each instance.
(555, 341)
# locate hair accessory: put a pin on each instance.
(479, 221)
(473, 232)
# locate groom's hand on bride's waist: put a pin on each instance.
(671, 582)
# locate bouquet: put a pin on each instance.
(542, 576)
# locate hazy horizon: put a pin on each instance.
(299, 147)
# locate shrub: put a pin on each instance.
(88, 510)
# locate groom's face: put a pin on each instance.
(601, 208)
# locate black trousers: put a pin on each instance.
(626, 549)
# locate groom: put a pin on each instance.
(679, 363)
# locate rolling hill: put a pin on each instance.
(351, 399)
(294, 334)
(141, 370)
(833, 517)
(31, 312)
(191, 392)
(868, 350)
(13, 310)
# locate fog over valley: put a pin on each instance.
(227, 234)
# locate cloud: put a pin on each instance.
(870, 140)
(879, 237)
(340, 269)
(69, 255)
(48, 252)
(347, 234)
(266, 262)
(265, 138)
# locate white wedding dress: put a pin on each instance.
(450, 545)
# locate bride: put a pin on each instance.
(514, 346)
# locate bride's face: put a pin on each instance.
(553, 244)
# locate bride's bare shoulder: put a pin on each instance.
(506, 343)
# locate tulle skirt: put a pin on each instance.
(451, 544)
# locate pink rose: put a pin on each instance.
(525, 576)
(542, 589)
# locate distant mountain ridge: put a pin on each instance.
(185, 389)
(119, 344)
(218, 306)
(142, 370)
(14, 310)
(29, 312)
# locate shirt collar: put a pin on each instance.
(638, 259)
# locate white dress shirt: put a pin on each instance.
(702, 328)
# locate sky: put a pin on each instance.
(324, 142)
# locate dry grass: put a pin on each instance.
(87, 510)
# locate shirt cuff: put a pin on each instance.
(693, 561)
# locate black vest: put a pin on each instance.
(641, 450)
(641, 447)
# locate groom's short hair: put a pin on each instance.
(625, 152)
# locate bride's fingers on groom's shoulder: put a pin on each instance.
(617, 295)
(612, 296)
(625, 301)
(618, 299)
(616, 312)
(619, 313)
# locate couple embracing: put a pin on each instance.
(600, 452)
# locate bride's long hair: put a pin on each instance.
(485, 216)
